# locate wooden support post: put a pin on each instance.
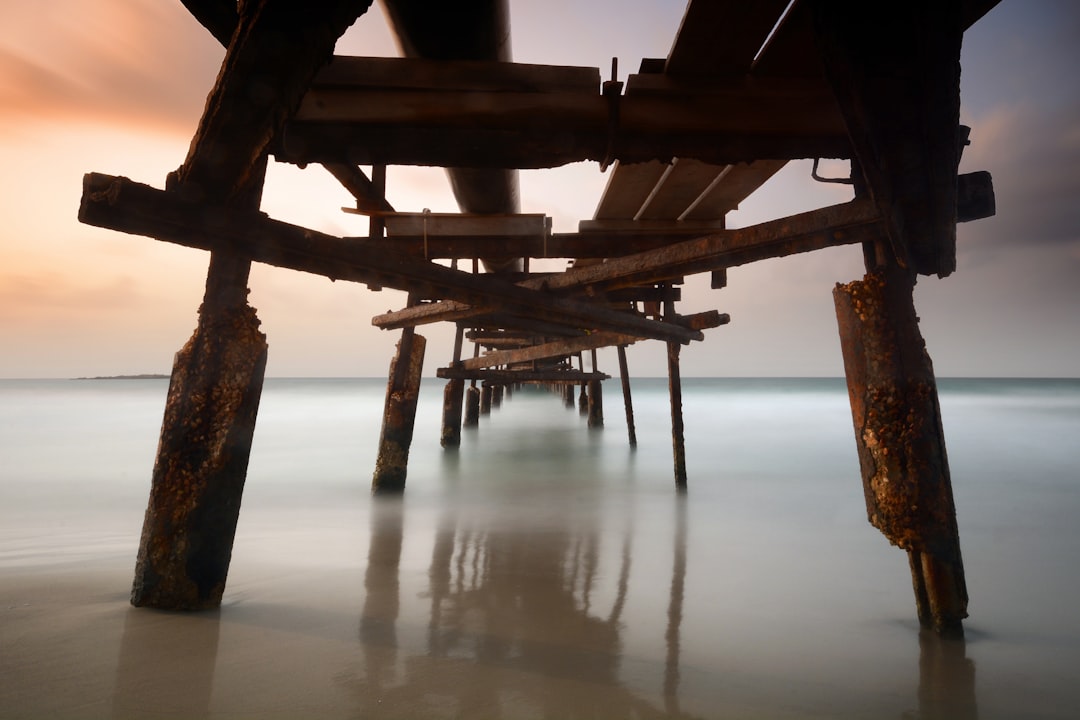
(624, 376)
(402, 391)
(472, 407)
(675, 389)
(452, 400)
(583, 400)
(894, 405)
(203, 452)
(497, 396)
(485, 399)
(596, 399)
(453, 395)
(568, 395)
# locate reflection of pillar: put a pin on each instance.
(399, 416)
(946, 679)
(901, 444)
(166, 664)
(378, 633)
(675, 608)
(675, 389)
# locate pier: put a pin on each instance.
(684, 139)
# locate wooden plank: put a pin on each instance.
(721, 37)
(520, 376)
(432, 225)
(846, 224)
(687, 180)
(120, 204)
(369, 200)
(556, 348)
(737, 184)
(627, 189)
(454, 75)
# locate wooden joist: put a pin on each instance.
(484, 115)
(503, 377)
(555, 348)
(120, 204)
(845, 224)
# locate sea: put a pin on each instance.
(544, 569)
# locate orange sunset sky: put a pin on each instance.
(117, 86)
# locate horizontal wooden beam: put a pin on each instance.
(556, 348)
(121, 204)
(503, 377)
(399, 111)
(844, 224)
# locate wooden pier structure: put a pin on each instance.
(746, 88)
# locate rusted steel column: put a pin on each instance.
(402, 391)
(894, 405)
(624, 376)
(485, 399)
(675, 389)
(453, 395)
(203, 453)
(596, 404)
(472, 407)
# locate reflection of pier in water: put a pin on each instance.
(520, 604)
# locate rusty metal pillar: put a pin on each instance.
(901, 445)
(203, 452)
(453, 396)
(402, 391)
(485, 399)
(678, 443)
(472, 406)
(596, 399)
(624, 376)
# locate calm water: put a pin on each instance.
(543, 570)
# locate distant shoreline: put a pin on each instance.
(144, 376)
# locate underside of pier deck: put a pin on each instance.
(746, 88)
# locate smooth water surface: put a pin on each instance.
(543, 569)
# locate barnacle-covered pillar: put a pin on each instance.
(399, 417)
(894, 405)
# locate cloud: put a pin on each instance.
(112, 61)
(1032, 153)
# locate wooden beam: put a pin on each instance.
(120, 204)
(369, 201)
(895, 71)
(555, 348)
(495, 377)
(721, 37)
(846, 224)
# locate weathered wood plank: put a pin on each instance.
(555, 348)
(495, 377)
(846, 224)
(120, 204)
(736, 184)
(721, 37)
(627, 189)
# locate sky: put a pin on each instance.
(118, 86)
